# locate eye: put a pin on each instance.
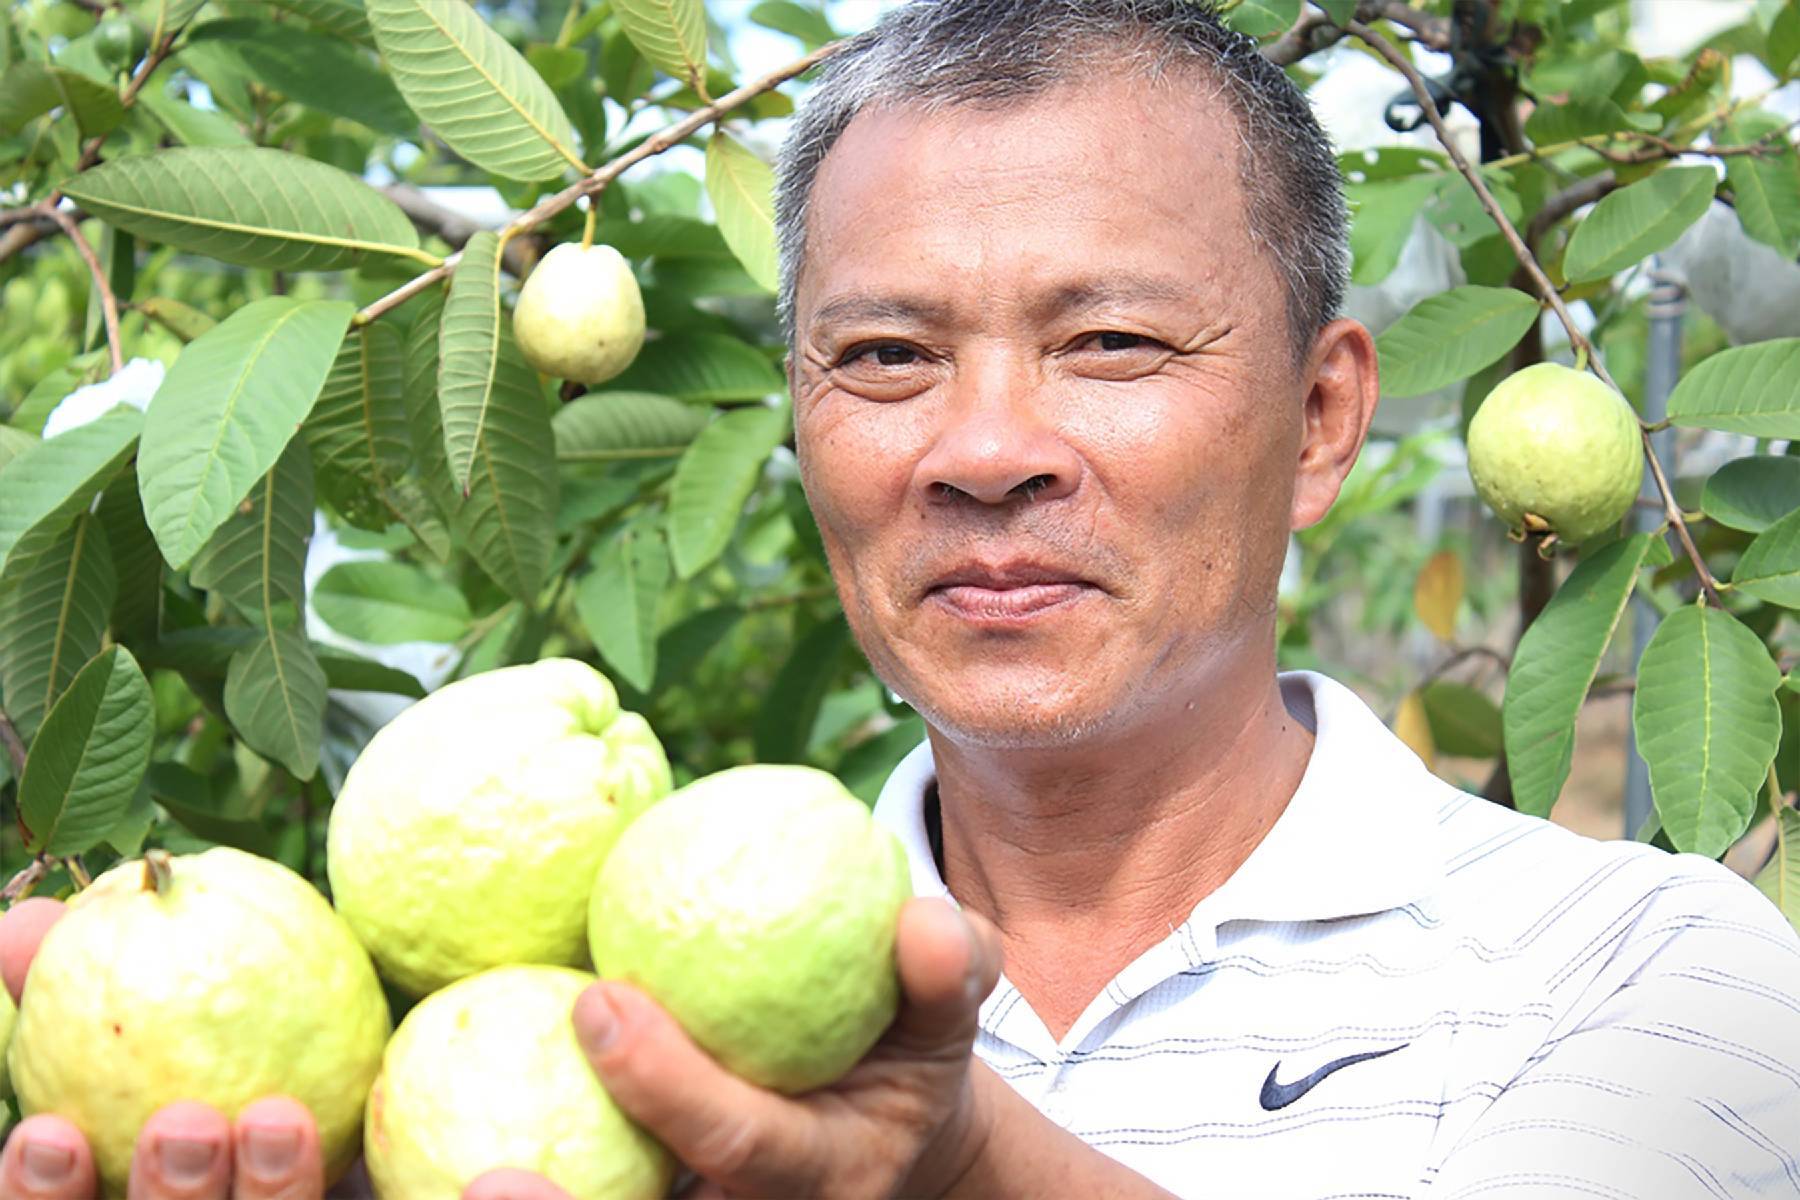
(883, 354)
(1114, 340)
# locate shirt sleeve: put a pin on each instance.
(1677, 1072)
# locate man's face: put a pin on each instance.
(1048, 416)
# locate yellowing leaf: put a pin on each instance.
(1412, 727)
(1438, 593)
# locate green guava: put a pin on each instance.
(487, 1073)
(580, 314)
(219, 977)
(468, 832)
(1554, 450)
(759, 906)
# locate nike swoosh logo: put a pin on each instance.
(1280, 1095)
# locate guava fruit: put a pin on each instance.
(759, 906)
(219, 977)
(580, 315)
(1554, 450)
(487, 1073)
(468, 832)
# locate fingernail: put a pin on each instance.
(47, 1165)
(184, 1160)
(599, 1027)
(271, 1150)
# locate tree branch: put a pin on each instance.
(109, 304)
(1545, 288)
(1314, 30)
(518, 254)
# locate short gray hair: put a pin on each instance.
(933, 54)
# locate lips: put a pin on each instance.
(1008, 592)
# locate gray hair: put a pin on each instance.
(933, 54)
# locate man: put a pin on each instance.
(1060, 277)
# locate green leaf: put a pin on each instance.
(248, 205)
(346, 18)
(424, 424)
(137, 610)
(52, 482)
(225, 411)
(475, 91)
(1341, 12)
(386, 603)
(257, 559)
(469, 353)
(275, 699)
(557, 66)
(1636, 221)
(53, 621)
(1770, 567)
(605, 426)
(1780, 880)
(357, 429)
(618, 601)
(187, 796)
(29, 90)
(742, 188)
(1584, 116)
(352, 674)
(705, 368)
(663, 236)
(189, 125)
(808, 25)
(1753, 493)
(14, 442)
(1384, 213)
(1463, 721)
(1783, 45)
(713, 480)
(1263, 18)
(321, 72)
(87, 760)
(1450, 336)
(1555, 665)
(1765, 188)
(1707, 724)
(784, 723)
(1751, 389)
(670, 33)
(866, 766)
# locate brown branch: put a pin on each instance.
(91, 153)
(593, 184)
(20, 885)
(1545, 288)
(1462, 656)
(1571, 198)
(109, 304)
(1314, 30)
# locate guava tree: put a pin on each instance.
(220, 209)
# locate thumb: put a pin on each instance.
(22, 927)
(949, 960)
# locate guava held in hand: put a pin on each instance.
(219, 977)
(487, 1073)
(580, 315)
(468, 832)
(1554, 450)
(759, 906)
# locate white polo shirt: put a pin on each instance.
(1407, 991)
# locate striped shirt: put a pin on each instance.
(1407, 991)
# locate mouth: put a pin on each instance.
(1008, 593)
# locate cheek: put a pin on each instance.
(854, 473)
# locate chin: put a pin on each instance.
(1046, 717)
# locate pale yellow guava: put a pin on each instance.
(759, 906)
(580, 314)
(468, 831)
(1554, 450)
(487, 1073)
(219, 977)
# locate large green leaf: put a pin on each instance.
(53, 621)
(670, 33)
(1636, 221)
(385, 603)
(275, 697)
(350, 673)
(742, 189)
(604, 426)
(800, 21)
(618, 602)
(192, 126)
(188, 797)
(31, 89)
(257, 559)
(1384, 214)
(1262, 18)
(14, 442)
(248, 205)
(1450, 336)
(469, 353)
(1749, 389)
(707, 368)
(1765, 188)
(1780, 880)
(357, 429)
(1770, 567)
(225, 411)
(1463, 721)
(86, 761)
(714, 478)
(137, 610)
(475, 91)
(1555, 665)
(321, 72)
(346, 18)
(1707, 724)
(1753, 493)
(52, 482)
(424, 423)
(785, 721)
(1583, 116)
(663, 236)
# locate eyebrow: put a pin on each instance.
(856, 308)
(1101, 293)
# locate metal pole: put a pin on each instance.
(1662, 367)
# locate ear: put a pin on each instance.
(1342, 388)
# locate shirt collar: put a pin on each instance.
(1358, 836)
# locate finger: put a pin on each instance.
(733, 1132)
(183, 1153)
(46, 1158)
(275, 1150)
(948, 961)
(22, 927)
(510, 1183)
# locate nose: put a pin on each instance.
(997, 444)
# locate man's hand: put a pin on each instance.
(186, 1151)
